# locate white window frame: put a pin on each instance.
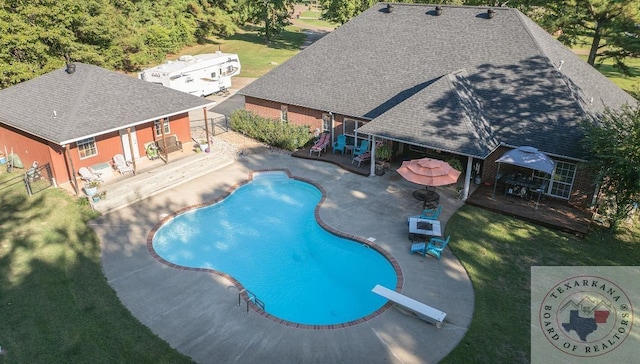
(561, 182)
(158, 131)
(284, 113)
(87, 148)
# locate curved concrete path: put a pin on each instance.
(197, 313)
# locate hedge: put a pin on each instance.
(272, 132)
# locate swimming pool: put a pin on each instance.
(265, 235)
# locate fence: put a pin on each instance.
(35, 179)
(217, 125)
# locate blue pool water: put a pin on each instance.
(265, 235)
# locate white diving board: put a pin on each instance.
(421, 310)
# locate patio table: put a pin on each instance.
(421, 229)
(430, 199)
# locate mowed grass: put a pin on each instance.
(55, 304)
(256, 57)
(498, 252)
(629, 83)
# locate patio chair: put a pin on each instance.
(434, 247)
(428, 214)
(340, 144)
(363, 148)
(431, 214)
(361, 158)
(89, 176)
(121, 165)
(321, 144)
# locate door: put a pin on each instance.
(126, 149)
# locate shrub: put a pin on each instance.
(272, 132)
(455, 164)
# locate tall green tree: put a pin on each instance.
(271, 15)
(614, 148)
(611, 26)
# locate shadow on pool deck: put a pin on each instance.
(198, 314)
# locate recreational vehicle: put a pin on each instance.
(200, 75)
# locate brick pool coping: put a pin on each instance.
(243, 291)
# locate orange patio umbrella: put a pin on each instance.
(429, 172)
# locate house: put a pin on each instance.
(448, 81)
(82, 115)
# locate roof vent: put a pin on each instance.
(71, 68)
(491, 13)
(389, 8)
(438, 11)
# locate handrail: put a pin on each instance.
(252, 298)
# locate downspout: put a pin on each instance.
(67, 157)
(467, 179)
(133, 159)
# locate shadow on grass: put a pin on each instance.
(287, 40)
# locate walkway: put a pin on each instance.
(197, 312)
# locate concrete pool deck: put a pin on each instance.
(197, 313)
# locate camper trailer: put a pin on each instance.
(200, 75)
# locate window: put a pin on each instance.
(87, 148)
(283, 113)
(158, 125)
(563, 179)
(561, 182)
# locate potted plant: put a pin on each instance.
(91, 188)
(383, 156)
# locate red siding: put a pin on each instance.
(30, 148)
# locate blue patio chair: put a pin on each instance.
(434, 247)
(363, 148)
(340, 143)
(431, 214)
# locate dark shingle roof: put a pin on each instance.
(63, 107)
(402, 70)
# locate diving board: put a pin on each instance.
(421, 310)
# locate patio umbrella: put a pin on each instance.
(429, 172)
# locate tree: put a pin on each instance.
(610, 25)
(274, 15)
(614, 151)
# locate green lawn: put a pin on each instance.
(498, 251)
(256, 57)
(55, 304)
(627, 83)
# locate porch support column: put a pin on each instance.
(133, 156)
(206, 127)
(467, 178)
(495, 182)
(164, 141)
(372, 168)
(71, 169)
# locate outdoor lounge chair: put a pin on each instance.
(363, 148)
(89, 176)
(321, 144)
(361, 158)
(434, 247)
(121, 165)
(340, 144)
